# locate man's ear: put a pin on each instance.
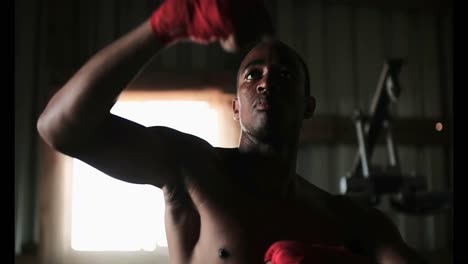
(309, 107)
(235, 109)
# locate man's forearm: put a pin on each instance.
(89, 95)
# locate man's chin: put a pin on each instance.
(266, 126)
(267, 132)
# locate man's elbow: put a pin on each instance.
(46, 133)
(53, 134)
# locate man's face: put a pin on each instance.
(271, 97)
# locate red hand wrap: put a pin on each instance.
(200, 20)
(293, 252)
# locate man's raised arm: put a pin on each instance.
(77, 120)
(81, 106)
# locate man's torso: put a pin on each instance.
(217, 218)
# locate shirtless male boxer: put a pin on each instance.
(244, 205)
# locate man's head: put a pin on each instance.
(272, 91)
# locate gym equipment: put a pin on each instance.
(368, 183)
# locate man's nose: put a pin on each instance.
(261, 88)
(265, 85)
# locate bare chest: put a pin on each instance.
(243, 228)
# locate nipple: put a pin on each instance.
(223, 253)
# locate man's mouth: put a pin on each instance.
(262, 104)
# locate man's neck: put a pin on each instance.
(270, 165)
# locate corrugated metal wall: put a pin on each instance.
(30, 73)
(344, 45)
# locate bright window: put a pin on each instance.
(111, 215)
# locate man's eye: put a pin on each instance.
(253, 75)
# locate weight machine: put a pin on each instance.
(366, 182)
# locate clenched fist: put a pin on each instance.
(234, 23)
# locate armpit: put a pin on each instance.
(176, 195)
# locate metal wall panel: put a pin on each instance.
(346, 48)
